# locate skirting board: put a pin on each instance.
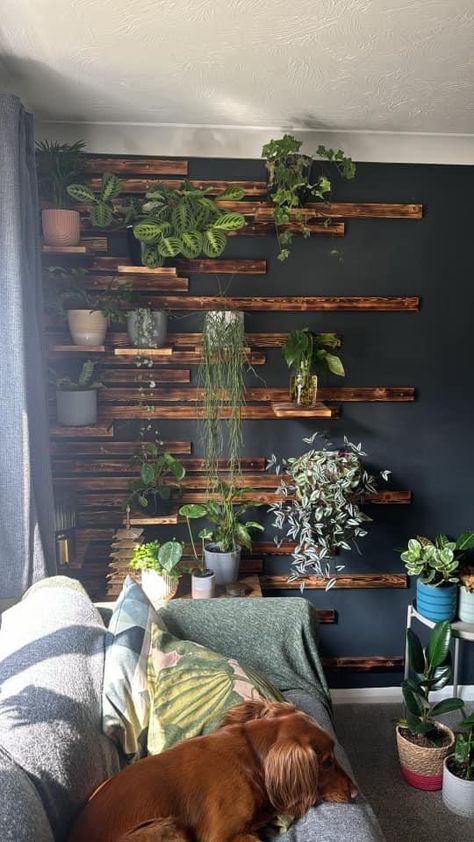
(391, 695)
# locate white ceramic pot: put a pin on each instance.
(458, 794)
(76, 407)
(203, 584)
(225, 565)
(87, 327)
(466, 605)
(61, 227)
(158, 586)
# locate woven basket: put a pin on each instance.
(424, 761)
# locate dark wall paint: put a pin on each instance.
(426, 444)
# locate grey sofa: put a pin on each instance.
(52, 752)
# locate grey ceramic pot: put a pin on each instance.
(76, 408)
(154, 337)
(458, 794)
(225, 565)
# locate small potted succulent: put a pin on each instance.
(306, 352)
(147, 328)
(423, 743)
(436, 563)
(321, 494)
(58, 166)
(160, 476)
(159, 566)
(458, 775)
(203, 580)
(466, 592)
(76, 399)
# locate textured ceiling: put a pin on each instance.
(376, 65)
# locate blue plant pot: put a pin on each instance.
(436, 603)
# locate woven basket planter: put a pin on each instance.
(423, 767)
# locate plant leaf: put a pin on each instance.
(438, 646)
(193, 510)
(415, 652)
(446, 705)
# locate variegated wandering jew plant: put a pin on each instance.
(321, 492)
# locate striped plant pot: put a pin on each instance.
(466, 605)
(61, 227)
(436, 603)
(158, 586)
(422, 767)
(458, 794)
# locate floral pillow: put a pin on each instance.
(191, 688)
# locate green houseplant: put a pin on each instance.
(321, 494)
(306, 352)
(290, 185)
(466, 592)
(423, 742)
(146, 327)
(458, 775)
(203, 580)
(160, 476)
(58, 166)
(76, 398)
(159, 566)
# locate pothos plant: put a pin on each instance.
(305, 352)
(160, 473)
(291, 184)
(321, 494)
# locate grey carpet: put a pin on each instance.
(406, 815)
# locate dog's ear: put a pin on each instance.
(291, 777)
(258, 709)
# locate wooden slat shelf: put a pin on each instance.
(381, 498)
(346, 581)
(156, 520)
(289, 304)
(169, 282)
(97, 431)
(287, 409)
(176, 358)
(192, 465)
(143, 352)
(131, 165)
(112, 448)
(250, 583)
(144, 185)
(189, 413)
(266, 229)
(346, 210)
(326, 615)
(80, 249)
(357, 663)
(201, 267)
(144, 376)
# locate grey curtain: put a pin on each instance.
(26, 498)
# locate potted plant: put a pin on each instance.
(321, 494)
(305, 352)
(290, 185)
(203, 580)
(436, 565)
(466, 592)
(147, 328)
(458, 775)
(159, 566)
(160, 476)
(58, 166)
(76, 399)
(423, 743)
(185, 221)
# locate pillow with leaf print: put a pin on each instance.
(191, 688)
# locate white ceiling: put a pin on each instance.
(350, 65)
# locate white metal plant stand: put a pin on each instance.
(461, 631)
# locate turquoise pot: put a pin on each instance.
(436, 603)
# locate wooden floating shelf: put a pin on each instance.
(76, 464)
(144, 185)
(326, 615)
(69, 348)
(255, 340)
(267, 229)
(97, 431)
(374, 663)
(143, 352)
(158, 375)
(112, 448)
(346, 210)
(189, 413)
(355, 581)
(169, 282)
(80, 249)
(202, 267)
(291, 410)
(382, 498)
(157, 520)
(131, 165)
(250, 583)
(290, 304)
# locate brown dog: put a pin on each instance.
(266, 758)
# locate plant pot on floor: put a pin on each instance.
(147, 329)
(158, 586)
(203, 584)
(87, 327)
(466, 605)
(61, 227)
(76, 408)
(225, 565)
(436, 603)
(422, 766)
(458, 793)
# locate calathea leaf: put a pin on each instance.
(101, 215)
(148, 232)
(191, 244)
(81, 193)
(214, 242)
(111, 187)
(229, 222)
(231, 194)
(169, 246)
(151, 258)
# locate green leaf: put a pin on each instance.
(111, 187)
(169, 246)
(214, 242)
(170, 555)
(415, 652)
(101, 215)
(142, 501)
(468, 722)
(231, 194)
(178, 470)
(81, 193)
(147, 474)
(438, 646)
(151, 258)
(192, 510)
(465, 541)
(414, 701)
(417, 726)
(147, 232)
(335, 365)
(242, 535)
(446, 705)
(252, 524)
(191, 244)
(181, 218)
(229, 222)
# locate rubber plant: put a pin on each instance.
(291, 185)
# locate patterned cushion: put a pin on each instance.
(126, 700)
(191, 687)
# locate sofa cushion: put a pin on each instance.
(126, 700)
(51, 671)
(22, 815)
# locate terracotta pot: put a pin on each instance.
(158, 586)
(422, 767)
(61, 227)
(87, 327)
(458, 793)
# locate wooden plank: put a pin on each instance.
(190, 413)
(326, 615)
(267, 229)
(372, 663)
(177, 358)
(111, 448)
(157, 520)
(69, 348)
(135, 165)
(202, 267)
(382, 498)
(111, 465)
(347, 581)
(96, 431)
(290, 304)
(365, 394)
(142, 352)
(288, 409)
(79, 249)
(163, 375)
(263, 212)
(169, 282)
(250, 583)
(255, 340)
(214, 186)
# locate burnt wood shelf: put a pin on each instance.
(143, 352)
(346, 581)
(112, 448)
(293, 304)
(346, 210)
(288, 409)
(371, 663)
(201, 267)
(131, 165)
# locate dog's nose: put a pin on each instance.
(353, 791)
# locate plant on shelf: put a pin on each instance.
(423, 742)
(159, 566)
(466, 592)
(306, 352)
(146, 327)
(203, 579)
(291, 185)
(185, 221)
(160, 476)
(105, 211)
(436, 564)
(458, 777)
(59, 165)
(76, 398)
(321, 494)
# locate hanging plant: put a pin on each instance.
(291, 185)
